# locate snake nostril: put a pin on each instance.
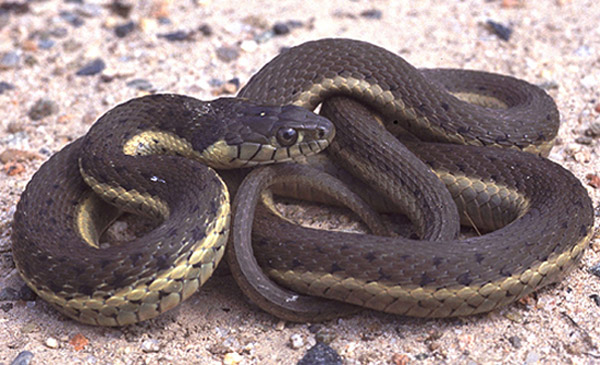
(321, 132)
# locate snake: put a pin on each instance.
(153, 156)
(133, 157)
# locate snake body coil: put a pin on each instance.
(148, 157)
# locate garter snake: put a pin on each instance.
(540, 215)
(147, 156)
(305, 76)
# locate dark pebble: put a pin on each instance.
(124, 29)
(89, 10)
(92, 68)
(140, 84)
(177, 36)
(71, 18)
(281, 29)
(502, 31)
(59, 32)
(9, 294)
(9, 60)
(26, 294)
(42, 108)
(596, 299)
(320, 354)
(515, 341)
(595, 270)
(372, 14)
(6, 307)
(593, 131)
(17, 7)
(121, 8)
(584, 140)
(163, 20)
(46, 43)
(74, 1)
(5, 86)
(23, 358)
(227, 54)
(206, 30)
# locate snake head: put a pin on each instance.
(262, 134)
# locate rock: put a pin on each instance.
(5, 86)
(227, 54)
(502, 31)
(8, 294)
(9, 60)
(92, 68)
(232, 358)
(51, 342)
(206, 30)
(596, 299)
(124, 29)
(42, 108)
(296, 341)
(71, 18)
(595, 269)
(150, 345)
(320, 354)
(140, 84)
(46, 43)
(593, 131)
(23, 358)
(89, 10)
(281, 29)
(515, 341)
(177, 36)
(584, 140)
(121, 8)
(372, 14)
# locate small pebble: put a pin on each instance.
(595, 270)
(515, 341)
(232, 358)
(124, 29)
(227, 54)
(584, 51)
(280, 326)
(92, 68)
(15, 7)
(140, 84)
(71, 18)
(51, 342)
(6, 307)
(89, 10)
(23, 358)
(42, 108)
(8, 294)
(249, 45)
(5, 86)
(502, 31)
(320, 354)
(121, 8)
(46, 43)
(593, 131)
(150, 345)
(532, 358)
(281, 29)
(9, 60)
(177, 36)
(206, 30)
(584, 140)
(59, 32)
(596, 299)
(372, 14)
(296, 341)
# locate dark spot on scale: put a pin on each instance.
(172, 232)
(422, 107)
(383, 276)
(461, 167)
(86, 290)
(479, 257)
(55, 186)
(162, 262)
(548, 117)
(154, 140)
(55, 287)
(105, 263)
(296, 263)
(437, 261)
(335, 268)
(541, 137)
(122, 121)
(425, 280)
(344, 247)
(370, 256)
(445, 106)
(463, 130)
(198, 234)
(464, 279)
(583, 230)
(395, 121)
(564, 225)
(481, 88)
(49, 201)
(504, 272)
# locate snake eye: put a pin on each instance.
(287, 136)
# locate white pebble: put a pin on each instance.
(296, 341)
(232, 358)
(150, 346)
(51, 342)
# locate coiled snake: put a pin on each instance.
(543, 228)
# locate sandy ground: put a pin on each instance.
(555, 44)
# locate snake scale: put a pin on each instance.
(539, 230)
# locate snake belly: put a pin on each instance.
(542, 228)
(148, 156)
